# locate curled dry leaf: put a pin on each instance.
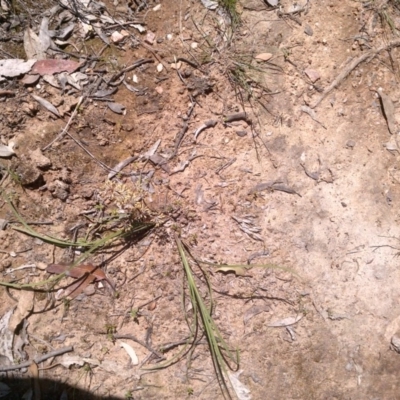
(131, 353)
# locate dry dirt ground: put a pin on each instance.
(327, 209)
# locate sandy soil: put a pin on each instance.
(322, 197)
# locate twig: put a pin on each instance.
(208, 124)
(38, 359)
(130, 68)
(64, 131)
(228, 164)
(154, 54)
(352, 65)
(242, 116)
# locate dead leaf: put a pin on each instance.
(44, 37)
(6, 151)
(104, 92)
(79, 271)
(237, 270)
(242, 392)
(30, 79)
(15, 67)
(46, 104)
(130, 87)
(131, 352)
(117, 108)
(62, 33)
(101, 34)
(32, 45)
(52, 80)
(50, 67)
(264, 56)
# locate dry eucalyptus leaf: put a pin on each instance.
(6, 151)
(15, 67)
(50, 67)
(104, 92)
(44, 36)
(46, 104)
(264, 56)
(33, 46)
(130, 87)
(117, 108)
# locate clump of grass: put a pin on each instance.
(230, 7)
(113, 228)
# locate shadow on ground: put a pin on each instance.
(46, 389)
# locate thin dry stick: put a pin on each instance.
(353, 64)
(64, 131)
(38, 359)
